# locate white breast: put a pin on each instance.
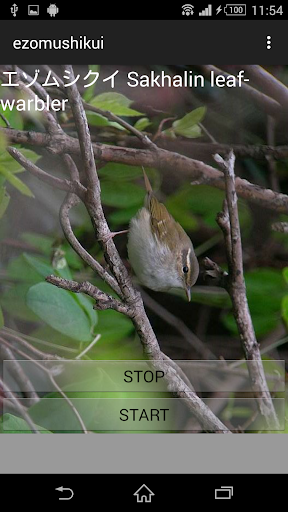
(153, 263)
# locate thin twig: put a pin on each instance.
(214, 274)
(54, 383)
(5, 120)
(281, 227)
(272, 165)
(16, 371)
(160, 127)
(53, 181)
(180, 326)
(21, 410)
(35, 351)
(91, 345)
(49, 119)
(209, 135)
(268, 83)
(70, 201)
(112, 117)
(266, 103)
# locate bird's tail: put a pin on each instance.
(147, 182)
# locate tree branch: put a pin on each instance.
(180, 326)
(16, 370)
(268, 83)
(19, 407)
(102, 299)
(237, 291)
(266, 103)
(214, 274)
(54, 383)
(165, 160)
(70, 201)
(112, 117)
(53, 181)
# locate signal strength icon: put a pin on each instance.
(207, 11)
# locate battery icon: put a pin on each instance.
(235, 9)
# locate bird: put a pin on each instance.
(159, 250)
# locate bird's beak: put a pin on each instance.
(188, 293)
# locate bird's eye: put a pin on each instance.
(185, 270)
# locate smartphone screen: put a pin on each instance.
(144, 252)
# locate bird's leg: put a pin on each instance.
(114, 233)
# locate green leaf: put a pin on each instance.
(123, 216)
(113, 326)
(89, 91)
(1, 318)
(191, 132)
(116, 103)
(285, 309)
(179, 205)
(96, 119)
(198, 200)
(262, 325)
(87, 305)
(94, 68)
(16, 182)
(188, 125)
(142, 123)
(285, 274)
(44, 245)
(74, 261)
(13, 301)
(121, 195)
(219, 298)
(265, 291)
(20, 270)
(3, 141)
(40, 242)
(120, 172)
(11, 424)
(11, 165)
(40, 266)
(48, 335)
(4, 201)
(14, 117)
(58, 309)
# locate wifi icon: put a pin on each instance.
(188, 10)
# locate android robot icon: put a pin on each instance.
(52, 10)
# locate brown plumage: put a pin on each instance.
(160, 251)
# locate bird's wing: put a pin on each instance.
(162, 224)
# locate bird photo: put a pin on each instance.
(191, 304)
(160, 252)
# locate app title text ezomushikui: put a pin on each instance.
(73, 43)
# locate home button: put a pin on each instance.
(144, 494)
